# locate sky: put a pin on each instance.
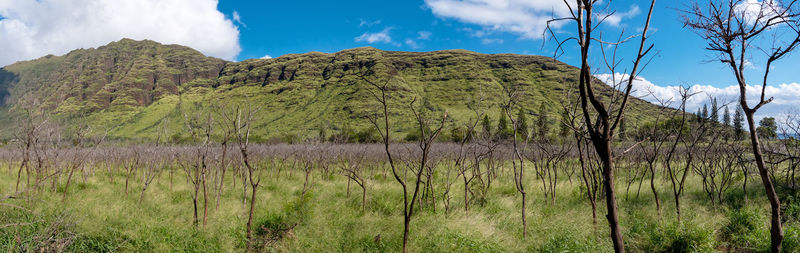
(238, 30)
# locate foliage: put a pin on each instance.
(746, 230)
(767, 128)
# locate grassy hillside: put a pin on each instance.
(134, 88)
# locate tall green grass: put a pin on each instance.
(98, 217)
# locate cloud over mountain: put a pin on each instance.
(31, 29)
(786, 96)
(523, 17)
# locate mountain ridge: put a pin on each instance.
(129, 87)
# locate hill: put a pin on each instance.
(140, 89)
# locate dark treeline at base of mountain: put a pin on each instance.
(145, 91)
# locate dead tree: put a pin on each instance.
(428, 136)
(547, 158)
(150, 172)
(82, 150)
(352, 168)
(227, 133)
(590, 165)
(518, 160)
(689, 138)
(731, 29)
(715, 167)
(380, 91)
(200, 131)
(241, 119)
(30, 134)
(461, 159)
(651, 153)
(130, 167)
(790, 130)
(601, 130)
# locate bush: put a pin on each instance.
(277, 226)
(791, 239)
(686, 237)
(746, 230)
(367, 135)
(568, 242)
(50, 232)
(372, 244)
(449, 241)
(650, 236)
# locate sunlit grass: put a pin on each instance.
(99, 217)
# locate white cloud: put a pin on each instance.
(616, 18)
(487, 41)
(382, 36)
(411, 43)
(266, 57)
(368, 23)
(751, 10)
(33, 29)
(424, 35)
(786, 96)
(525, 17)
(238, 19)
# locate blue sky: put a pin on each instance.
(245, 29)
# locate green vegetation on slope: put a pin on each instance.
(133, 88)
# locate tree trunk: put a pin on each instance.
(222, 176)
(205, 200)
(406, 224)
(363, 198)
(69, 179)
(466, 194)
(194, 201)
(776, 232)
(524, 219)
(604, 151)
(653, 188)
(250, 218)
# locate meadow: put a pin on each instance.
(306, 202)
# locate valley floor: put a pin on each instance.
(97, 215)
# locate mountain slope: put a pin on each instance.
(141, 89)
(127, 72)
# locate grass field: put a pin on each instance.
(97, 215)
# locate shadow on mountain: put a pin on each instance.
(7, 78)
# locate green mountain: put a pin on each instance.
(141, 89)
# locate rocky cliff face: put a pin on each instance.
(127, 72)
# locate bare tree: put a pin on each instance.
(131, 165)
(200, 128)
(428, 136)
(151, 170)
(518, 162)
(734, 28)
(352, 168)
(33, 121)
(790, 146)
(690, 139)
(381, 93)
(228, 132)
(82, 148)
(241, 119)
(601, 130)
(461, 159)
